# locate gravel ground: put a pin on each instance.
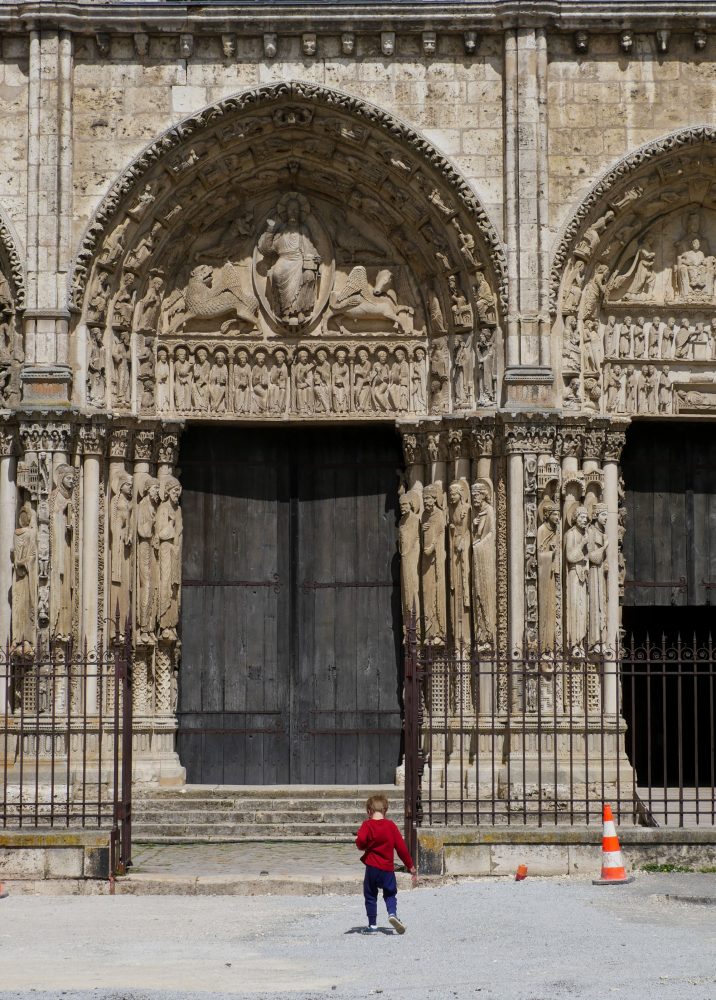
(542, 939)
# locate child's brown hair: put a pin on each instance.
(376, 803)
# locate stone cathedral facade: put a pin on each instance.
(488, 229)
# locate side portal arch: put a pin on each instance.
(634, 285)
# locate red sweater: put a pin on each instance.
(379, 838)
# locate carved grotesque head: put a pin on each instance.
(387, 43)
(270, 45)
(348, 43)
(228, 44)
(308, 43)
(430, 43)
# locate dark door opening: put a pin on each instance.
(668, 676)
(290, 606)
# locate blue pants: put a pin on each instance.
(374, 880)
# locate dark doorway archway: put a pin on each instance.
(290, 606)
(669, 471)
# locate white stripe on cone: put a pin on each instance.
(612, 859)
(609, 829)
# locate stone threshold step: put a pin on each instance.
(155, 816)
(293, 838)
(151, 884)
(256, 830)
(270, 805)
(357, 792)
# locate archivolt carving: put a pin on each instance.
(289, 215)
(12, 298)
(637, 310)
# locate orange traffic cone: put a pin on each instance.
(613, 870)
(521, 873)
(3, 891)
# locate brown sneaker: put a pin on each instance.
(397, 923)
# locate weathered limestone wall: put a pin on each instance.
(606, 102)
(122, 101)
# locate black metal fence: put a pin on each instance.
(540, 738)
(66, 742)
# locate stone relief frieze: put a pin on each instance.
(637, 319)
(313, 259)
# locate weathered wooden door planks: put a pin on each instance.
(290, 615)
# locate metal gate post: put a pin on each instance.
(412, 737)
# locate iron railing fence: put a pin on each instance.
(66, 742)
(547, 739)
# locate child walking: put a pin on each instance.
(379, 838)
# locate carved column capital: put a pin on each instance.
(168, 448)
(614, 441)
(412, 448)
(8, 438)
(144, 446)
(93, 439)
(45, 437)
(593, 443)
(454, 443)
(481, 442)
(120, 439)
(570, 442)
(435, 447)
(524, 439)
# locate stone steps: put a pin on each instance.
(236, 813)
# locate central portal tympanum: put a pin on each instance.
(290, 606)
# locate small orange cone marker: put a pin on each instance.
(521, 873)
(613, 870)
(3, 891)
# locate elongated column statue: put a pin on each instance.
(409, 548)
(122, 539)
(548, 573)
(432, 566)
(147, 556)
(483, 564)
(24, 583)
(460, 554)
(61, 554)
(597, 545)
(169, 533)
(577, 567)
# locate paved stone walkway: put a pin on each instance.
(257, 859)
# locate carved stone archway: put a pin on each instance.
(290, 252)
(633, 285)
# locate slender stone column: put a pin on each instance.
(413, 447)
(516, 554)
(7, 527)
(612, 453)
(92, 439)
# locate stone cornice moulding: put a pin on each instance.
(245, 18)
(604, 188)
(245, 102)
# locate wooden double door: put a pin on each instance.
(291, 626)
